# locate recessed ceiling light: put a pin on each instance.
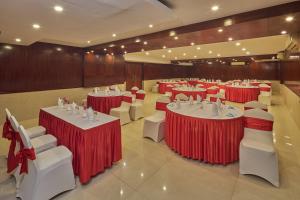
(164, 47)
(147, 53)
(244, 49)
(237, 44)
(169, 51)
(176, 58)
(122, 46)
(220, 30)
(283, 32)
(215, 8)
(230, 39)
(114, 35)
(228, 22)
(137, 40)
(92, 51)
(87, 52)
(145, 42)
(58, 8)
(198, 48)
(150, 25)
(142, 50)
(218, 55)
(175, 38)
(88, 41)
(289, 18)
(105, 49)
(172, 33)
(247, 52)
(163, 56)
(112, 54)
(195, 56)
(184, 54)
(111, 45)
(18, 40)
(58, 49)
(210, 52)
(8, 47)
(36, 26)
(125, 52)
(192, 43)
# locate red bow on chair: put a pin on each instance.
(12, 160)
(7, 129)
(23, 156)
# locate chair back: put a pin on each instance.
(7, 112)
(181, 97)
(14, 123)
(162, 102)
(24, 137)
(255, 104)
(258, 119)
(140, 94)
(128, 98)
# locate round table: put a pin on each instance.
(242, 94)
(162, 86)
(189, 92)
(213, 139)
(104, 101)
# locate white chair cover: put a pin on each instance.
(255, 104)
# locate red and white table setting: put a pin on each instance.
(241, 94)
(95, 142)
(103, 101)
(200, 132)
(163, 86)
(189, 91)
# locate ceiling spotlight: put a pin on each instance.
(58, 8)
(244, 49)
(150, 25)
(18, 40)
(210, 52)
(125, 52)
(228, 22)
(184, 54)
(142, 50)
(230, 39)
(92, 51)
(105, 49)
(283, 32)
(237, 44)
(169, 51)
(122, 46)
(247, 52)
(58, 49)
(198, 48)
(145, 42)
(172, 33)
(289, 18)
(164, 47)
(111, 45)
(215, 8)
(192, 43)
(195, 56)
(137, 40)
(220, 30)
(88, 41)
(147, 53)
(163, 56)
(175, 38)
(8, 47)
(218, 55)
(114, 35)
(112, 54)
(36, 26)
(176, 58)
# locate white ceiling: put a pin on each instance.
(97, 20)
(257, 46)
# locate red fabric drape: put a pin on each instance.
(258, 124)
(23, 156)
(140, 96)
(212, 141)
(93, 150)
(161, 106)
(241, 95)
(104, 104)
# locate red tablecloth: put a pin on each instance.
(241, 95)
(93, 150)
(104, 103)
(162, 86)
(189, 93)
(209, 84)
(208, 140)
(194, 82)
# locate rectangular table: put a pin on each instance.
(95, 145)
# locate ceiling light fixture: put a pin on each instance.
(198, 48)
(289, 18)
(150, 25)
(248, 53)
(58, 8)
(215, 8)
(230, 39)
(220, 30)
(163, 56)
(18, 40)
(58, 49)
(184, 54)
(169, 51)
(145, 42)
(228, 22)
(218, 55)
(36, 26)
(142, 50)
(105, 49)
(195, 56)
(172, 33)
(114, 35)
(244, 49)
(210, 52)
(175, 38)
(283, 32)
(192, 43)
(237, 44)
(125, 52)
(8, 47)
(147, 53)
(122, 46)
(137, 40)
(88, 41)
(164, 47)
(176, 58)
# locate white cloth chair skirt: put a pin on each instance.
(255, 104)
(137, 108)
(122, 112)
(51, 173)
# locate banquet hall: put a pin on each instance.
(149, 99)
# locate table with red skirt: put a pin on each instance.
(104, 102)
(242, 94)
(199, 91)
(95, 145)
(163, 86)
(209, 139)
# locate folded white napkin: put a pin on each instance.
(90, 113)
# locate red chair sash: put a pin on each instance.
(7, 130)
(12, 160)
(133, 91)
(140, 96)
(161, 106)
(23, 156)
(214, 99)
(258, 124)
(248, 108)
(265, 89)
(127, 99)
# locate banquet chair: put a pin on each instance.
(181, 97)
(39, 143)
(154, 88)
(257, 153)
(122, 112)
(214, 98)
(265, 94)
(154, 125)
(49, 173)
(134, 90)
(255, 104)
(211, 91)
(199, 85)
(137, 108)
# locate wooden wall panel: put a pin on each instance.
(134, 75)
(263, 71)
(101, 70)
(164, 71)
(39, 67)
(290, 70)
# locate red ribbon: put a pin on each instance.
(7, 130)
(23, 156)
(161, 106)
(127, 99)
(12, 160)
(140, 96)
(133, 91)
(258, 124)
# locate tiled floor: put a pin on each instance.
(152, 171)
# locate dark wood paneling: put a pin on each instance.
(40, 66)
(290, 70)
(101, 70)
(134, 75)
(164, 71)
(262, 71)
